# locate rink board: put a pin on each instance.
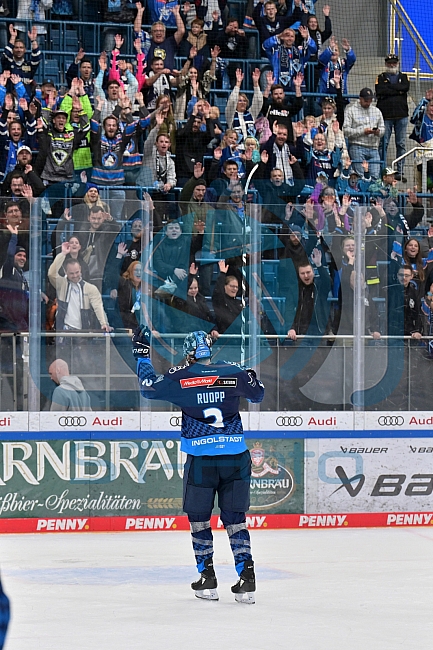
(121, 471)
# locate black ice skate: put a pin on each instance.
(246, 585)
(205, 586)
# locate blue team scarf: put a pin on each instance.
(34, 8)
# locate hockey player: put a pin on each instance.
(4, 616)
(218, 459)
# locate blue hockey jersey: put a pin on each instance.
(209, 398)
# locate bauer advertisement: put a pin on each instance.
(369, 475)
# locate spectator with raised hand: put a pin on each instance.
(47, 94)
(14, 289)
(21, 193)
(319, 37)
(75, 219)
(110, 101)
(161, 45)
(320, 157)
(122, 71)
(82, 68)
(312, 307)
(238, 116)
(33, 10)
(330, 61)
(417, 118)
(82, 156)
(193, 85)
(287, 59)
(23, 174)
(226, 305)
(276, 108)
(192, 142)
(195, 45)
(98, 245)
(281, 155)
(268, 21)
(14, 135)
(158, 170)
(131, 155)
(78, 301)
(233, 45)
(57, 144)
(108, 144)
(12, 216)
(15, 60)
(157, 82)
(349, 182)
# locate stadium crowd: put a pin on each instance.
(130, 129)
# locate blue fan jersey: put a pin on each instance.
(209, 398)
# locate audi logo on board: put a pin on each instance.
(391, 420)
(72, 421)
(289, 421)
(175, 421)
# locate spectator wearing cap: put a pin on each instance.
(387, 186)
(364, 127)
(48, 95)
(23, 169)
(392, 88)
(14, 57)
(57, 145)
(82, 67)
(82, 155)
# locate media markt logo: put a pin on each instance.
(271, 483)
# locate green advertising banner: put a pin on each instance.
(136, 477)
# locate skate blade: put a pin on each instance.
(245, 598)
(207, 594)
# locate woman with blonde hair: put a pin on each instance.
(129, 295)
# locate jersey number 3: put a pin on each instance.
(217, 414)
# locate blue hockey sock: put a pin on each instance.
(202, 542)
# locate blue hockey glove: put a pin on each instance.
(141, 343)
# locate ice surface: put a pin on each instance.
(317, 590)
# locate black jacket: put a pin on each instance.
(312, 312)
(392, 97)
(226, 309)
(404, 310)
(191, 147)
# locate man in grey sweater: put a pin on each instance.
(69, 395)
